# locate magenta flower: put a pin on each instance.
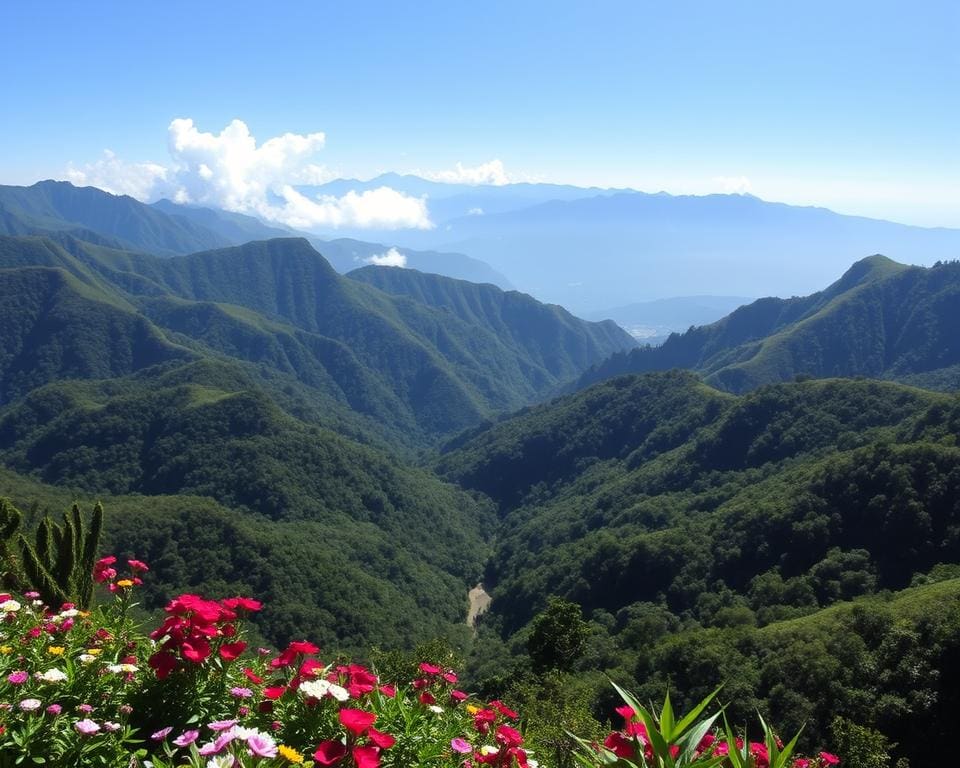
(186, 738)
(221, 725)
(162, 733)
(460, 745)
(54, 709)
(18, 677)
(241, 693)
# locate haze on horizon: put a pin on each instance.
(849, 106)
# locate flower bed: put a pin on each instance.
(84, 688)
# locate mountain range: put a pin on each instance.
(880, 319)
(590, 249)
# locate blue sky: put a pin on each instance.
(852, 105)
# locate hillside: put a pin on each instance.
(614, 488)
(691, 525)
(547, 334)
(411, 370)
(881, 319)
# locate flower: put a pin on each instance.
(102, 571)
(30, 705)
(162, 733)
(87, 727)
(18, 677)
(221, 725)
(241, 693)
(186, 738)
(138, 565)
(829, 759)
(221, 761)
(329, 752)
(111, 727)
(356, 720)
(52, 676)
(289, 754)
(262, 745)
(10, 606)
(231, 651)
(56, 650)
(460, 745)
(54, 709)
(125, 583)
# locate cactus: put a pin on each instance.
(60, 563)
(11, 574)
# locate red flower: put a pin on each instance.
(366, 757)
(329, 752)
(508, 713)
(356, 720)
(381, 739)
(197, 649)
(620, 745)
(426, 698)
(252, 676)
(231, 651)
(102, 571)
(429, 669)
(829, 759)
(244, 603)
(138, 565)
(388, 690)
(458, 695)
(163, 662)
(274, 692)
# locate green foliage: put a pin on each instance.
(858, 746)
(558, 636)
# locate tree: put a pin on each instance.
(559, 636)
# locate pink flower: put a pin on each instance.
(829, 759)
(54, 709)
(186, 738)
(262, 745)
(221, 725)
(162, 733)
(30, 705)
(241, 693)
(18, 677)
(86, 726)
(460, 745)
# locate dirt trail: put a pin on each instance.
(479, 602)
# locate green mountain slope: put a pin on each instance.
(679, 495)
(881, 319)
(372, 539)
(547, 334)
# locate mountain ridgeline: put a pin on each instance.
(881, 320)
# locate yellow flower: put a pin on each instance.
(5, 649)
(291, 754)
(125, 583)
(56, 650)
(94, 651)
(473, 709)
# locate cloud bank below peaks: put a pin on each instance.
(491, 172)
(229, 171)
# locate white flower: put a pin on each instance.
(487, 749)
(69, 613)
(435, 708)
(37, 603)
(30, 705)
(108, 726)
(9, 606)
(317, 689)
(52, 676)
(117, 669)
(86, 658)
(220, 761)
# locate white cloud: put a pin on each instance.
(487, 173)
(475, 212)
(732, 185)
(113, 175)
(392, 258)
(228, 170)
